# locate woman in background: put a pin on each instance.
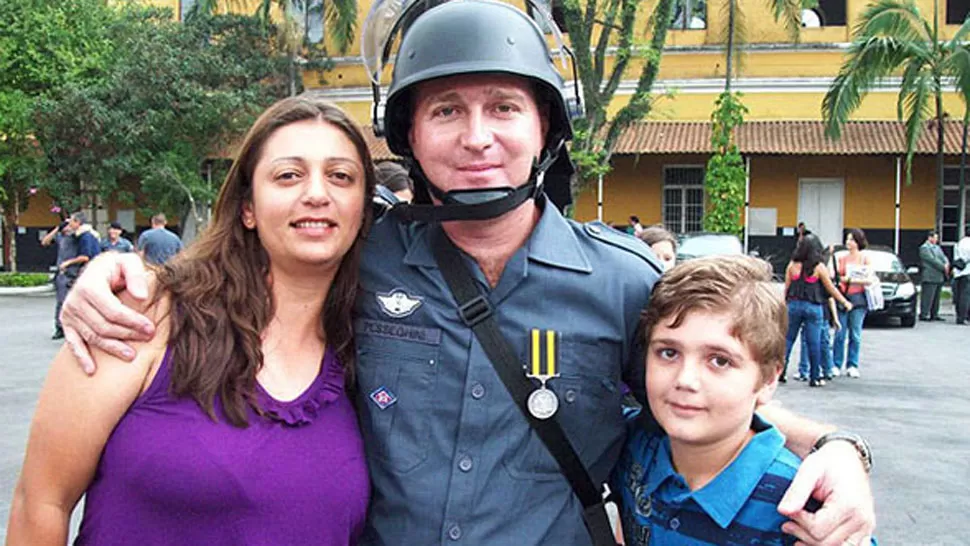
(662, 242)
(855, 274)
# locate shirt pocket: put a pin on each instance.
(400, 376)
(589, 411)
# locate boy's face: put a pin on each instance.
(703, 385)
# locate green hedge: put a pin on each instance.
(24, 279)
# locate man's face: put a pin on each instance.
(73, 224)
(114, 233)
(703, 384)
(933, 238)
(477, 131)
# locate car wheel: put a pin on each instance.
(908, 321)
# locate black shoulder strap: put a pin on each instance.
(476, 312)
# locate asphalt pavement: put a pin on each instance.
(912, 403)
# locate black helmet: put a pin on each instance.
(441, 39)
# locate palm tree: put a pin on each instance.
(788, 12)
(893, 37)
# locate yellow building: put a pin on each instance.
(795, 173)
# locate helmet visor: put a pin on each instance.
(387, 19)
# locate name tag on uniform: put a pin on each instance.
(397, 330)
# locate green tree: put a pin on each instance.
(45, 46)
(175, 95)
(615, 21)
(724, 178)
(894, 37)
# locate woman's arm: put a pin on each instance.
(75, 415)
(823, 273)
(787, 276)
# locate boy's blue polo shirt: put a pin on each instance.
(738, 507)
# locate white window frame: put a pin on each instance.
(688, 5)
(682, 229)
(956, 189)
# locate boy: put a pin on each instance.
(715, 343)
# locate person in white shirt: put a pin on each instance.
(961, 278)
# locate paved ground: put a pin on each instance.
(912, 403)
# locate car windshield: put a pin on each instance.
(885, 262)
(709, 245)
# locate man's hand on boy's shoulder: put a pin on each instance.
(835, 476)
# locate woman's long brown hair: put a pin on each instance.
(221, 299)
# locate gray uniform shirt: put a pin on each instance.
(159, 244)
(451, 457)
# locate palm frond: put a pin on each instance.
(789, 12)
(868, 61)
(342, 22)
(957, 66)
(962, 34)
(900, 19)
(912, 76)
(918, 110)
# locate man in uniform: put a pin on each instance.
(66, 249)
(452, 459)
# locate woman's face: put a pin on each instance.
(850, 243)
(308, 195)
(665, 252)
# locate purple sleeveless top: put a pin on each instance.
(170, 475)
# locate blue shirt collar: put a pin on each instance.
(553, 242)
(727, 493)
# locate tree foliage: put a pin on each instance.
(174, 95)
(724, 178)
(615, 21)
(893, 37)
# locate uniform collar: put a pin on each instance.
(726, 494)
(553, 242)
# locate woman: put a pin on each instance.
(805, 278)
(830, 320)
(233, 426)
(855, 274)
(663, 243)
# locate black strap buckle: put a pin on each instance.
(475, 311)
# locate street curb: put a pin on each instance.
(25, 290)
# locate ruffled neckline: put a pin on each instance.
(327, 387)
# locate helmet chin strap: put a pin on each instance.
(473, 204)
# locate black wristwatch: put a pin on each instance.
(858, 442)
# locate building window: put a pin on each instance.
(951, 204)
(957, 11)
(185, 7)
(689, 15)
(683, 202)
(828, 13)
(550, 7)
(310, 16)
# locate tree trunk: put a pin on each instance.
(730, 45)
(11, 217)
(963, 178)
(939, 163)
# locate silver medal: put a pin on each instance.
(543, 403)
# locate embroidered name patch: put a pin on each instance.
(396, 330)
(383, 397)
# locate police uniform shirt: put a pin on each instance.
(738, 507)
(452, 460)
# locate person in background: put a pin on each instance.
(830, 320)
(158, 244)
(854, 274)
(395, 177)
(233, 425)
(88, 245)
(934, 270)
(635, 227)
(806, 283)
(114, 241)
(662, 242)
(961, 278)
(63, 279)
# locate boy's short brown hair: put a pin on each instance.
(737, 285)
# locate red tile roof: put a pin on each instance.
(762, 138)
(784, 138)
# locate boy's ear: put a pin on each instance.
(767, 390)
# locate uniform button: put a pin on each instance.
(465, 463)
(455, 532)
(571, 396)
(478, 391)
(675, 524)
(431, 362)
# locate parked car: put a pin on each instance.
(898, 288)
(708, 244)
